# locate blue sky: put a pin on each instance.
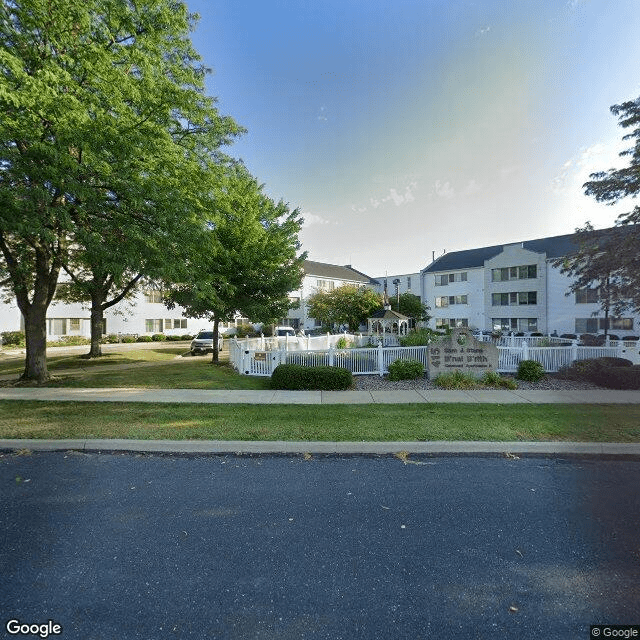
(401, 128)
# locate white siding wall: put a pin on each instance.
(516, 256)
(473, 288)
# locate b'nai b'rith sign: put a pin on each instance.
(462, 352)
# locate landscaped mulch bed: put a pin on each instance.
(550, 382)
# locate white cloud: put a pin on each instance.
(313, 219)
(444, 190)
(483, 31)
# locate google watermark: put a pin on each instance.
(41, 629)
(615, 631)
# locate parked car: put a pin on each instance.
(281, 332)
(203, 343)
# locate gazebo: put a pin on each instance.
(387, 321)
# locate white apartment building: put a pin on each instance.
(398, 284)
(145, 314)
(514, 287)
(320, 276)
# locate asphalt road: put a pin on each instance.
(121, 546)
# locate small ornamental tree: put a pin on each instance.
(349, 304)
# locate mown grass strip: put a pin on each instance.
(408, 422)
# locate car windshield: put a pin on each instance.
(205, 335)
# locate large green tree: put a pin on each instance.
(617, 257)
(106, 133)
(348, 304)
(249, 262)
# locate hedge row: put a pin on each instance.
(613, 373)
(299, 377)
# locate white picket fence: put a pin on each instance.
(250, 357)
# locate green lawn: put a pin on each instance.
(162, 353)
(160, 368)
(154, 368)
(588, 423)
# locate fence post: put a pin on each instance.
(331, 352)
(525, 350)
(513, 340)
(245, 362)
(380, 360)
(328, 343)
(607, 341)
(574, 350)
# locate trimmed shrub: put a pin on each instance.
(589, 369)
(172, 338)
(300, 377)
(13, 338)
(142, 339)
(71, 341)
(405, 370)
(245, 330)
(158, 337)
(130, 339)
(617, 377)
(186, 336)
(112, 338)
(530, 370)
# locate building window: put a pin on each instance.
(514, 298)
(594, 325)
(451, 322)
(409, 282)
(74, 324)
(515, 324)
(526, 272)
(153, 326)
(586, 296)
(325, 285)
(58, 327)
(447, 278)
(153, 295)
(178, 323)
(447, 301)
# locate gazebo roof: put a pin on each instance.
(387, 314)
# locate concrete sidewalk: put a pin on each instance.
(156, 396)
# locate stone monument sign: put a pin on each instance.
(462, 352)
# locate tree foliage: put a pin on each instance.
(410, 306)
(595, 265)
(106, 137)
(613, 261)
(249, 261)
(346, 305)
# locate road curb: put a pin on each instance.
(316, 447)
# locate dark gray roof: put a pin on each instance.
(387, 314)
(336, 272)
(553, 247)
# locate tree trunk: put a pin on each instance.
(215, 357)
(97, 322)
(35, 321)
